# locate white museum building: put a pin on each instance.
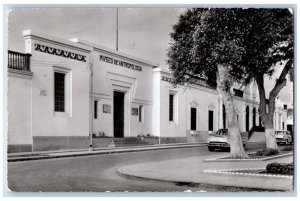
(73, 94)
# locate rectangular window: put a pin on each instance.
(238, 93)
(59, 92)
(141, 113)
(210, 120)
(171, 107)
(95, 109)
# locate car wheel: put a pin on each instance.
(211, 149)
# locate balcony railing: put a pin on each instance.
(18, 61)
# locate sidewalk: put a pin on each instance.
(194, 170)
(25, 156)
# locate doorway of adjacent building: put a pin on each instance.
(119, 114)
(193, 119)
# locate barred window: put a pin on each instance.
(59, 92)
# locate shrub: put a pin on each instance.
(289, 148)
(267, 152)
(100, 134)
(146, 135)
(280, 168)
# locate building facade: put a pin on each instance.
(61, 93)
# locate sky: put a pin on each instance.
(143, 32)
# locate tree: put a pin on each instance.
(209, 43)
(269, 42)
(234, 45)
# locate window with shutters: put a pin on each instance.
(59, 92)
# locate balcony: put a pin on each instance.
(18, 61)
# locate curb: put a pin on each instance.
(234, 172)
(223, 159)
(100, 152)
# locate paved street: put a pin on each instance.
(99, 173)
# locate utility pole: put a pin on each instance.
(117, 30)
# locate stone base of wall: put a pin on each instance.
(101, 142)
(151, 140)
(136, 141)
(170, 140)
(51, 143)
(14, 148)
(48, 143)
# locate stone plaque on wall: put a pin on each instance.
(106, 108)
(134, 111)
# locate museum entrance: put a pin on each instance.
(118, 114)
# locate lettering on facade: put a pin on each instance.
(134, 111)
(58, 52)
(120, 63)
(106, 108)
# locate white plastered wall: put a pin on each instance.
(45, 121)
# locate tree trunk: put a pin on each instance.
(262, 98)
(270, 136)
(267, 117)
(224, 85)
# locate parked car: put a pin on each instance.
(283, 137)
(220, 140)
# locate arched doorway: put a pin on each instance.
(247, 118)
(254, 117)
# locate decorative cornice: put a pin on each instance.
(59, 52)
(167, 79)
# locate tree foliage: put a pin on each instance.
(251, 41)
(269, 41)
